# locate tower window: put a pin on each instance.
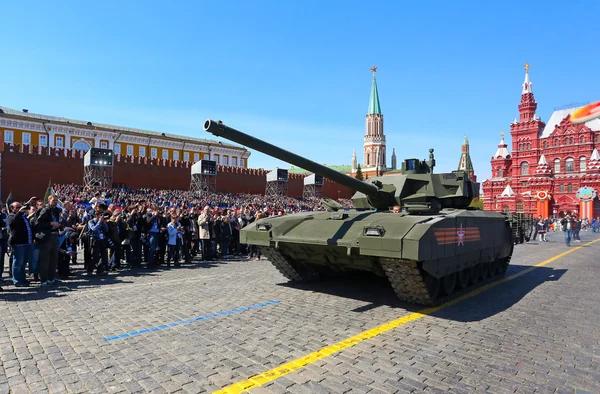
(582, 139)
(524, 168)
(582, 164)
(570, 165)
(556, 166)
(544, 145)
(561, 188)
(556, 142)
(570, 188)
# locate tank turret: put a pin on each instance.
(415, 188)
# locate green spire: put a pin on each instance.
(374, 107)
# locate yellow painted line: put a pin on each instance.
(294, 365)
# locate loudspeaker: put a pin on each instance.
(314, 179)
(279, 174)
(204, 167)
(98, 158)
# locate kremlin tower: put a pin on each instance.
(465, 164)
(374, 149)
(374, 145)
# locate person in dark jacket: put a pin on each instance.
(100, 240)
(66, 249)
(186, 223)
(156, 224)
(47, 227)
(21, 241)
(117, 231)
(3, 237)
(135, 226)
(225, 226)
(567, 226)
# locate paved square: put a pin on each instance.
(235, 319)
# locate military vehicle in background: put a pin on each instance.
(434, 249)
(522, 226)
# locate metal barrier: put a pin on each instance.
(521, 224)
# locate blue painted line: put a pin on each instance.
(194, 319)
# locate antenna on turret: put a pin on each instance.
(431, 160)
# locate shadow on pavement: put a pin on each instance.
(80, 281)
(378, 292)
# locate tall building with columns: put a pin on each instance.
(554, 167)
(35, 131)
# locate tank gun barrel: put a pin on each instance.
(220, 130)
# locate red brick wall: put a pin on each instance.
(27, 174)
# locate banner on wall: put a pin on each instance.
(586, 194)
(543, 195)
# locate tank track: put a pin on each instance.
(408, 282)
(405, 276)
(281, 263)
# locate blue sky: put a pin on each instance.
(297, 73)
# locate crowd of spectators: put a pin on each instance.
(182, 198)
(122, 228)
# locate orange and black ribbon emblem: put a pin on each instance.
(456, 235)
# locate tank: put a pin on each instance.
(434, 249)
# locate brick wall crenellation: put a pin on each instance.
(26, 171)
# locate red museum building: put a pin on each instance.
(554, 167)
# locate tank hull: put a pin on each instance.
(420, 254)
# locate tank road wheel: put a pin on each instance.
(504, 262)
(464, 277)
(494, 267)
(449, 282)
(283, 265)
(475, 273)
(485, 271)
(410, 282)
(433, 286)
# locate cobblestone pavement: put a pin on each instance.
(537, 333)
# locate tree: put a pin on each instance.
(48, 191)
(359, 174)
(477, 203)
(9, 199)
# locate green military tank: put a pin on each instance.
(434, 249)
